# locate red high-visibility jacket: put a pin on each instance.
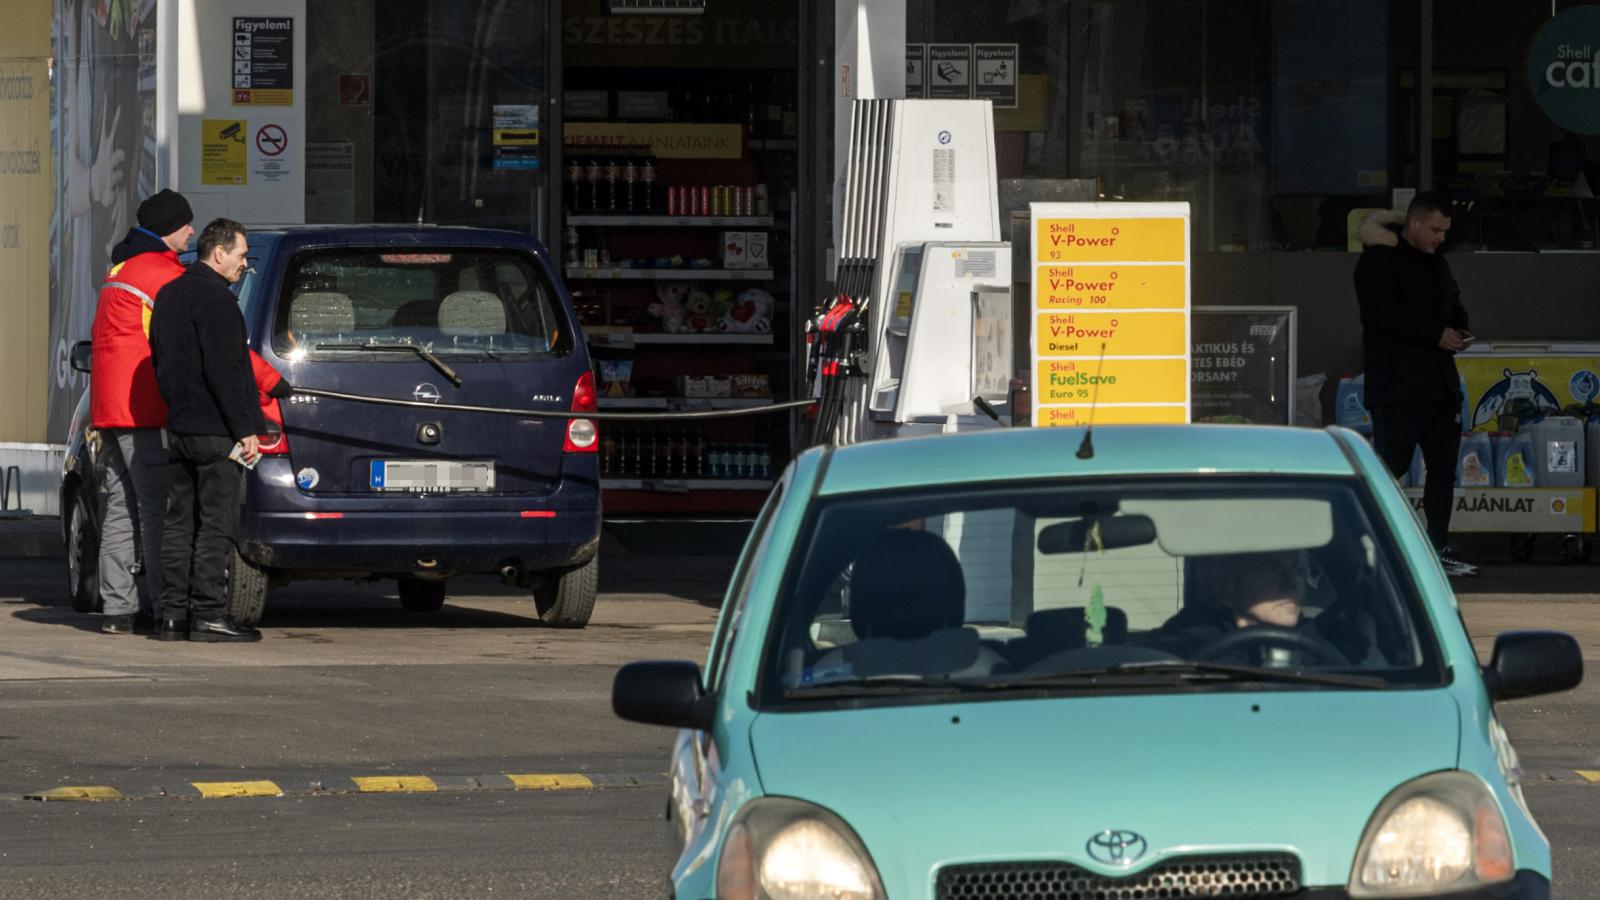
(267, 380)
(122, 380)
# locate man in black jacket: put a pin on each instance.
(202, 359)
(1412, 326)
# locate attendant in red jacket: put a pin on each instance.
(127, 409)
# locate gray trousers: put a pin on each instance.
(134, 492)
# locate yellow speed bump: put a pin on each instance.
(549, 782)
(395, 784)
(1590, 775)
(212, 790)
(88, 792)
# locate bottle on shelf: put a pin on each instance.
(647, 182)
(630, 182)
(611, 188)
(574, 181)
(591, 183)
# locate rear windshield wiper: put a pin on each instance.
(873, 685)
(421, 351)
(1197, 671)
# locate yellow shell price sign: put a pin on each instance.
(1111, 313)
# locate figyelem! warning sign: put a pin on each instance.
(1110, 313)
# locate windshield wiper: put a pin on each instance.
(421, 351)
(865, 685)
(1195, 671)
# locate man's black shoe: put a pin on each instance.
(145, 622)
(117, 624)
(221, 629)
(173, 629)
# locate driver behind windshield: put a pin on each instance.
(1229, 593)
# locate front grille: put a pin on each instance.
(1262, 875)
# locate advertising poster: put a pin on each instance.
(1503, 382)
(26, 198)
(1111, 313)
(103, 120)
(1242, 364)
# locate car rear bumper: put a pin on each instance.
(286, 528)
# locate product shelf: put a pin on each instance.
(674, 485)
(683, 403)
(626, 339)
(620, 274)
(626, 221)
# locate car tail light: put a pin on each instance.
(583, 435)
(273, 441)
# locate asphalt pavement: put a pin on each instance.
(363, 751)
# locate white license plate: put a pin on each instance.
(431, 475)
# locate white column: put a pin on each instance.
(869, 62)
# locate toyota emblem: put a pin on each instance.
(426, 393)
(1115, 847)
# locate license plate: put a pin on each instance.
(431, 475)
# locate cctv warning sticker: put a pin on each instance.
(224, 156)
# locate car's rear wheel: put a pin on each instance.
(565, 598)
(247, 591)
(83, 555)
(417, 595)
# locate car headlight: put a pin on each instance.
(1442, 832)
(783, 849)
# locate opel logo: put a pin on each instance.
(426, 392)
(1115, 847)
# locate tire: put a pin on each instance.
(565, 598)
(246, 594)
(419, 596)
(83, 555)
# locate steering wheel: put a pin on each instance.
(1270, 636)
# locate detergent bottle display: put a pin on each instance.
(1514, 466)
(1558, 451)
(1525, 386)
(1350, 407)
(1475, 461)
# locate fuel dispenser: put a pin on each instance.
(919, 337)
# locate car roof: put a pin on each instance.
(1024, 454)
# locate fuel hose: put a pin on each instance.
(675, 416)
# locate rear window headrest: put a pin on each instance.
(321, 312)
(472, 314)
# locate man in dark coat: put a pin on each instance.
(202, 359)
(1412, 326)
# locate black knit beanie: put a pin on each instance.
(165, 212)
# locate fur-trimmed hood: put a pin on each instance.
(1381, 228)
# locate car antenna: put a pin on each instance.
(1086, 449)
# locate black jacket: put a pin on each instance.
(1407, 299)
(138, 241)
(199, 344)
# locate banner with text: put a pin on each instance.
(1242, 364)
(1111, 313)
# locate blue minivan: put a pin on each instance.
(349, 489)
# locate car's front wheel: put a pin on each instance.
(83, 555)
(417, 595)
(565, 598)
(247, 591)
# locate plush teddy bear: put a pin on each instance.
(670, 306)
(751, 313)
(697, 311)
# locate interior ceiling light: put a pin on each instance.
(657, 7)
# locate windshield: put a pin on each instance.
(484, 303)
(1209, 584)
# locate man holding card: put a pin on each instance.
(202, 361)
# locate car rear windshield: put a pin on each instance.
(1206, 584)
(455, 302)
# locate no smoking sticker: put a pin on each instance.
(271, 140)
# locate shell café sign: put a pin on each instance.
(1564, 69)
(1110, 313)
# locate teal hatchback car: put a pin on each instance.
(1190, 661)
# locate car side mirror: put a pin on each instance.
(81, 353)
(662, 692)
(1530, 663)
